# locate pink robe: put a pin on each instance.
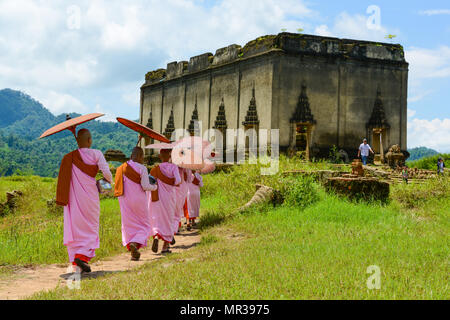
(193, 202)
(182, 193)
(82, 214)
(134, 208)
(162, 212)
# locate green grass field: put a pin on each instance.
(33, 234)
(318, 247)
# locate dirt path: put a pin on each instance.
(28, 281)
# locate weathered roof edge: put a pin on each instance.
(293, 43)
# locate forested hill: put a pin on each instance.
(23, 120)
(421, 152)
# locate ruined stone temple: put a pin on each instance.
(319, 92)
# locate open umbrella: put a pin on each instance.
(143, 130)
(71, 124)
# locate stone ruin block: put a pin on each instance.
(367, 189)
(395, 157)
(11, 203)
(378, 52)
(259, 45)
(181, 68)
(200, 62)
(115, 155)
(227, 54)
(357, 168)
(176, 69)
(171, 70)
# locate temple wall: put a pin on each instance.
(153, 98)
(341, 78)
(321, 80)
(361, 82)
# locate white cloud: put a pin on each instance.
(323, 30)
(58, 102)
(419, 96)
(355, 26)
(433, 134)
(108, 115)
(428, 63)
(434, 12)
(117, 42)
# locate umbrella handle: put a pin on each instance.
(72, 129)
(139, 140)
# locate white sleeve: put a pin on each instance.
(104, 167)
(145, 181)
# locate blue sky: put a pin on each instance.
(88, 56)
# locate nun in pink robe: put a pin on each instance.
(82, 214)
(182, 193)
(162, 212)
(193, 200)
(134, 207)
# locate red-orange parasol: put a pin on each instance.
(71, 124)
(143, 130)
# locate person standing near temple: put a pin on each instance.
(440, 166)
(77, 191)
(364, 150)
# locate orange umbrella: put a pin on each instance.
(71, 124)
(143, 130)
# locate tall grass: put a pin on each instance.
(320, 252)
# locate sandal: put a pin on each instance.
(135, 254)
(83, 265)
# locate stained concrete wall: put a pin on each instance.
(342, 77)
(321, 80)
(341, 96)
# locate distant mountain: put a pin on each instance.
(421, 152)
(23, 120)
(20, 111)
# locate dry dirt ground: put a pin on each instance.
(27, 281)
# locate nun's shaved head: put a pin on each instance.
(164, 155)
(137, 155)
(84, 138)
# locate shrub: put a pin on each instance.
(416, 195)
(299, 192)
(334, 156)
